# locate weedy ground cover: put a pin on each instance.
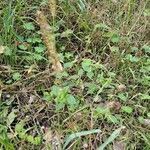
(76, 77)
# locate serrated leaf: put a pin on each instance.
(141, 119)
(86, 65)
(100, 26)
(90, 74)
(147, 12)
(67, 33)
(92, 88)
(33, 140)
(132, 58)
(47, 96)
(55, 90)
(115, 38)
(19, 127)
(127, 109)
(34, 40)
(145, 96)
(37, 57)
(72, 102)
(21, 131)
(8, 51)
(16, 76)
(29, 26)
(122, 96)
(80, 72)
(23, 47)
(68, 64)
(39, 49)
(11, 117)
(4, 139)
(101, 111)
(37, 40)
(146, 48)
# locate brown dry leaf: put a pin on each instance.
(146, 122)
(52, 6)
(121, 87)
(56, 142)
(114, 1)
(49, 40)
(2, 48)
(85, 145)
(48, 136)
(71, 125)
(52, 140)
(113, 105)
(32, 99)
(57, 66)
(118, 146)
(30, 69)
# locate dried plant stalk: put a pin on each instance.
(49, 40)
(52, 6)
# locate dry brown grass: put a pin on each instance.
(49, 40)
(52, 6)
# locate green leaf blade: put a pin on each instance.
(112, 137)
(79, 134)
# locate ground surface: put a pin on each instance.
(105, 83)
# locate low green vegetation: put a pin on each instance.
(101, 98)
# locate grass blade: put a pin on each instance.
(111, 138)
(82, 5)
(79, 134)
